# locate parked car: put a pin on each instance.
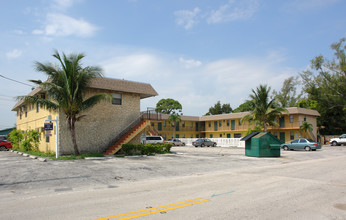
(338, 141)
(176, 142)
(301, 144)
(153, 140)
(5, 145)
(201, 142)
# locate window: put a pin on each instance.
(304, 118)
(228, 135)
(164, 123)
(291, 135)
(239, 122)
(183, 124)
(26, 112)
(291, 118)
(211, 135)
(116, 99)
(20, 115)
(302, 141)
(191, 136)
(183, 135)
(191, 124)
(237, 135)
(220, 124)
(177, 136)
(37, 107)
(209, 124)
(276, 134)
(295, 141)
(47, 139)
(220, 135)
(228, 123)
(233, 125)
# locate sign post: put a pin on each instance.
(48, 127)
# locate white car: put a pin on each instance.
(153, 140)
(338, 141)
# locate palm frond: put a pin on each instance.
(93, 100)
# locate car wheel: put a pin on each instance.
(286, 148)
(214, 145)
(334, 143)
(202, 145)
(3, 148)
(307, 148)
(196, 145)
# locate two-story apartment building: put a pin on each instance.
(96, 131)
(230, 126)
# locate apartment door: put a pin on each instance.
(282, 137)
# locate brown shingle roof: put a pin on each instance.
(145, 90)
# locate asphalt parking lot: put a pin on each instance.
(20, 174)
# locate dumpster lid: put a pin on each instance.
(247, 137)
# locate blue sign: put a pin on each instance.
(48, 126)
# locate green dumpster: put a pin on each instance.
(261, 144)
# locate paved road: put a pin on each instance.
(194, 183)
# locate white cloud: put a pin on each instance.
(228, 80)
(63, 4)
(233, 10)
(187, 18)
(63, 25)
(133, 66)
(14, 54)
(190, 63)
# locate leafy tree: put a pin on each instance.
(305, 127)
(287, 96)
(174, 119)
(171, 107)
(66, 87)
(325, 84)
(245, 107)
(15, 137)
(218, 109)
(265, 112)
(168, 106)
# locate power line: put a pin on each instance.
(16, 81)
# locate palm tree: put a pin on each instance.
(66, 87)
(174, 119)
(265, 111)
(305, 127)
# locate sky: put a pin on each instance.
(197, 52)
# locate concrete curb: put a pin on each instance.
(30, 156)
(95, 158)
(33, 157)
(42, 159)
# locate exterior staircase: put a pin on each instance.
(127, 137)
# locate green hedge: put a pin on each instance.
(148, 149)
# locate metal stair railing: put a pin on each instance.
(125, 130)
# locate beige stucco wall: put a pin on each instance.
(100, 125)
(32, 119)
